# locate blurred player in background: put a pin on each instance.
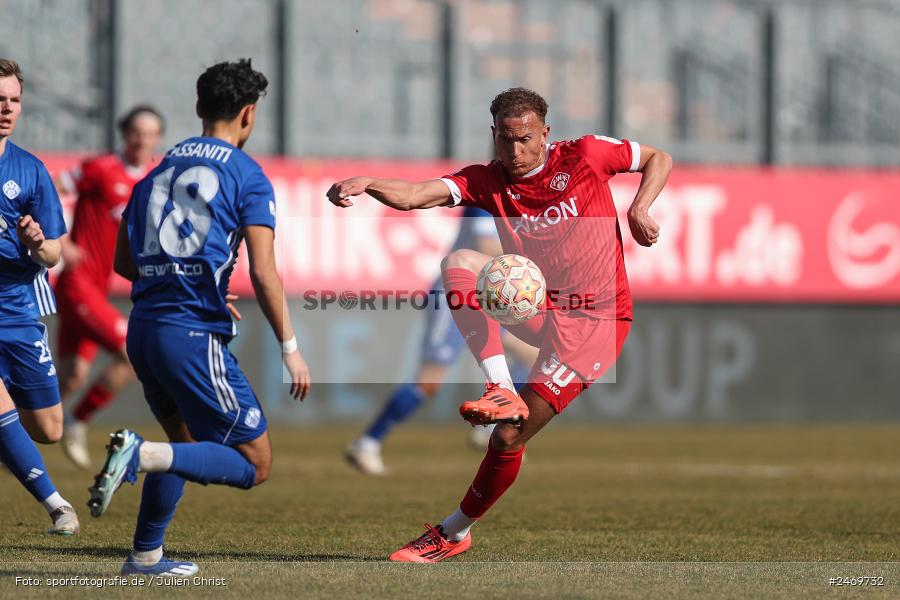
(532, 185)
(441, 346)
(87, 319)
(31, 223)
(178, 242)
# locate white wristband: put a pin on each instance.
(289, 346)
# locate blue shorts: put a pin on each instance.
(26, 366)
(192, 372)
(442, 342)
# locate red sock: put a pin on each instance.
(481, 332)
(497, 472)
(96, 398)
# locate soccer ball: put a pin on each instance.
(511, 289)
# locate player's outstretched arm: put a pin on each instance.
(396, 193)
(123, 263)
(45, 252)
(270, 296)
(655, 166)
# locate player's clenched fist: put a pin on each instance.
(30, 232)
(644, 229)
(299, 373)
(340, 192)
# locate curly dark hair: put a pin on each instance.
(225, 88)
(517, 101)
(127, 120)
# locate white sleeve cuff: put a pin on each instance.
(635, 156)
(454, 191)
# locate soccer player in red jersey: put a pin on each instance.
(87, 318)
(551, 203)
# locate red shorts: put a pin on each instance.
(575, 351)
(87, 319)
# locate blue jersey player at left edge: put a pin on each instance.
(177, 244)
(31, 223)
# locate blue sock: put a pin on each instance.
(22, 458)
(160, 495)
(402, 403)
(208, 462)
(519, 375)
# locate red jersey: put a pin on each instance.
(562, 216)
(104, 186)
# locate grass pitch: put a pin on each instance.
(650, 511)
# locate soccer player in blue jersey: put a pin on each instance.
(442, 344)
(178, 242)
(31, 224)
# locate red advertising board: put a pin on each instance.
(771, 235)
(727, 235)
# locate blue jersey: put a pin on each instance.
(27, 189)
(184, 224)
(476, 224)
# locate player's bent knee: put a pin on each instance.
(451, 261)
(258, 457)
(43, 428)
(263, 470)
(261, 478)
(47, 434)
(507, 438)
(463, 259)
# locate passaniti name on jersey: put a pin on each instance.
(200, 150)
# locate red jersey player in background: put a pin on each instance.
(535, 191)
(87, 319)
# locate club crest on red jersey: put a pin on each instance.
(559, 181)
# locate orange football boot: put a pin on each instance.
(431, 547)
(496, 405)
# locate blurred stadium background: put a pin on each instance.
(773, 296)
